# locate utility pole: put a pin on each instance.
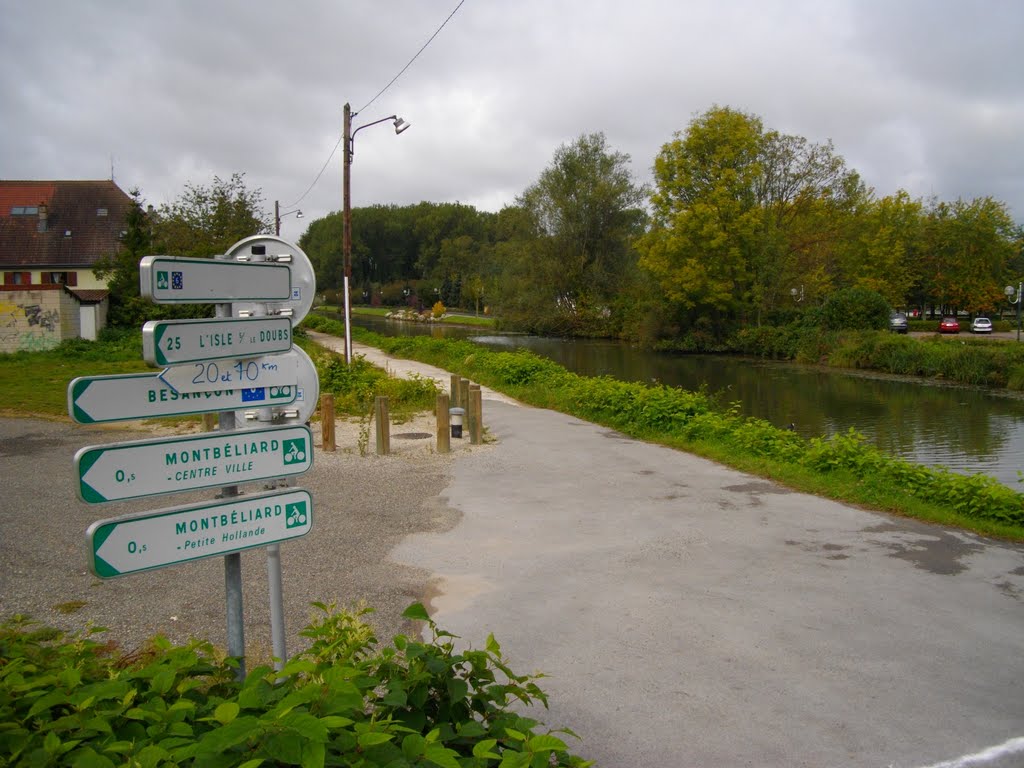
(277, 217)
(346, 228)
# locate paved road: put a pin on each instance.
(690, 615)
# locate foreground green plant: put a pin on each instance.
(72, 701)
(696, 422)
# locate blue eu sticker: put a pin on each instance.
(253, 395)
(177, 282)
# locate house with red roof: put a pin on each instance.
(52, 234)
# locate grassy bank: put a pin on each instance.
(963, 360)
(844, 467)
(453, 319)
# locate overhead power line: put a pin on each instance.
(379, 94)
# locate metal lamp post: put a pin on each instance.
(349, 137)
(798, 295)
(1009, 291)
(278, 216)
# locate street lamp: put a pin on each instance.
(798, 296)
(278, 216)
(1009, 291)
(349, 137)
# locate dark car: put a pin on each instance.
(949, 325)
(898, 322)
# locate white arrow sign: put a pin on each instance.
(93, 399)
(171, 342)
(179, 279)
(171, 465)
(178, 534)
(207, 376)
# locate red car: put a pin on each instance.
(949, 325)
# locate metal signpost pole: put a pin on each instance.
(275, 583)
(234, 606)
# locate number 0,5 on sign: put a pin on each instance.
(152, 467)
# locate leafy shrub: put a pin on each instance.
(856, 309)
(71, 701)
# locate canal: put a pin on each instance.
(966, 429)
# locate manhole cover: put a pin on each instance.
(412, 435)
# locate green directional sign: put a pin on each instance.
(179, 279)
(172, 465)
(164, 537)
(98, 399)
(169, 342)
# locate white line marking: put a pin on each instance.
(1011, 747)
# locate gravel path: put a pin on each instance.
(363, 507)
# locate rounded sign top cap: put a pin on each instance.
(272, 248)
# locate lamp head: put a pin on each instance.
(401, 125)
(298, 215)
(1009, 291)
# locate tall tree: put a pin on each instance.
(121, 270)
(706, 213)
(968, 252)
(742, 215)
(205, 221)
(581, 216)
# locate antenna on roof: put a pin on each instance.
(111, 168)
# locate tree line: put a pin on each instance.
(742, 226)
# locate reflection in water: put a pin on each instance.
(965, 429)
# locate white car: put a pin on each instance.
(981, 325)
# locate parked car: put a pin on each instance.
(898, 322)
(981, 325)
(949, 325)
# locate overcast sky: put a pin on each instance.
(921, 95)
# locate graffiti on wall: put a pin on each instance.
(28, 327)
(35, 315)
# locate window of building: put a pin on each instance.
(59, 278)
(24, 210)
(101, 211)
(17, 278)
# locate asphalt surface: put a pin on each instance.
(685, 614)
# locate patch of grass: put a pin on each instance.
(72, 606)
(36, 383)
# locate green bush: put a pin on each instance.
(72, 701)
(854, 308)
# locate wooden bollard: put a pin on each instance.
(380, 411)
(209, 422)
(456, 384)
(444, 432)
(476, 415)
(464, 395)
(327, 421)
